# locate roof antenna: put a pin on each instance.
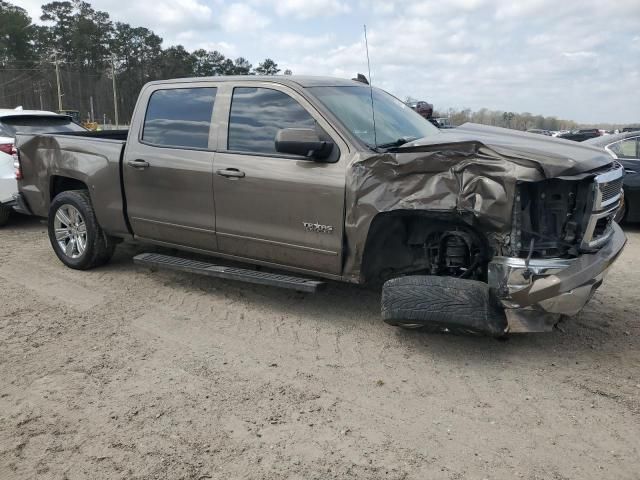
(373, 112)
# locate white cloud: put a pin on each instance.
(293, 41)
(305, 9)
(239, 17)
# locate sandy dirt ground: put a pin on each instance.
(124, 373)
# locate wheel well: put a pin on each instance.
(62, 184)
(408, 242)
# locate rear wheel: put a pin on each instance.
(74, 232)
(5, 213)
(442, 304)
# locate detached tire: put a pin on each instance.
(442, 304)
(5, 213)
(74, 232)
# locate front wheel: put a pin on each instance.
(442, 304)
(74, 232)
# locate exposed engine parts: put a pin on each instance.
(453, 254)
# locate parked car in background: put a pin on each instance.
(581, 135)
(539, 131)
(631, 129)
(425, 110)
(625, 147)
(444, 122)
(27, 121)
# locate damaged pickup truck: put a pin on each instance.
(474, 229)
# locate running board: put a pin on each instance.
(157, 260)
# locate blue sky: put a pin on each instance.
(577, 60)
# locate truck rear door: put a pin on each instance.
(168, 166)
(272, 207)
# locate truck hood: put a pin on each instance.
(554, 157)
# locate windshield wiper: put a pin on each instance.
(398, 142)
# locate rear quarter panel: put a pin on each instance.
(95, 162)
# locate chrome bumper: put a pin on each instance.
(534, 298)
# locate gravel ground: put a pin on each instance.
(126, 373)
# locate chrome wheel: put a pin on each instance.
(71, 231)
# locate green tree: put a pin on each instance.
(17, 35)
(79, 33)
(268, 67)
(241, 66)
(176, 62)
(207, 63)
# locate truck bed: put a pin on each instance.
(84, 160)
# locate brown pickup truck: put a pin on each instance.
(474, 229)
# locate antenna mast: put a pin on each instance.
(373, 112)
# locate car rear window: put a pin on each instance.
(179, 117)
(38, 124)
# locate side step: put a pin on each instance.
(230, 273)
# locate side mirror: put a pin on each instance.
(303, 141)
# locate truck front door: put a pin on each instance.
(168, 167)
(282, 209)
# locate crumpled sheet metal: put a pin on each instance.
(461, 177)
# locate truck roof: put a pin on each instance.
(299, 80)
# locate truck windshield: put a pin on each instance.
(38, 124)
(396, 123)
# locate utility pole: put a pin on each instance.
(40, 95)
(55, 53)
(91, 103)
(115, 95)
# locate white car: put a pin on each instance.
(26, 121)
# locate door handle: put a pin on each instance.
(230, 173)
(138, 164)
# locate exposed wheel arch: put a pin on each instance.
(393, 240)
(60, 183)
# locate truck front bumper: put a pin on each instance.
(537, 295)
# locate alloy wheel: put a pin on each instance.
(71, 231)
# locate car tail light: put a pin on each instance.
(6, 148)
(16, 162)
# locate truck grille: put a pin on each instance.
(606, 201)
(610, 190)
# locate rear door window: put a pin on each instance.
(256, 116)
(179, 117)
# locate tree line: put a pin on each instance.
(499, 118)
(89, 48)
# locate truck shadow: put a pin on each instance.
(604, 325)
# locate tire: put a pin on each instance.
(5, 213)
(97, 247)
(442, 304)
